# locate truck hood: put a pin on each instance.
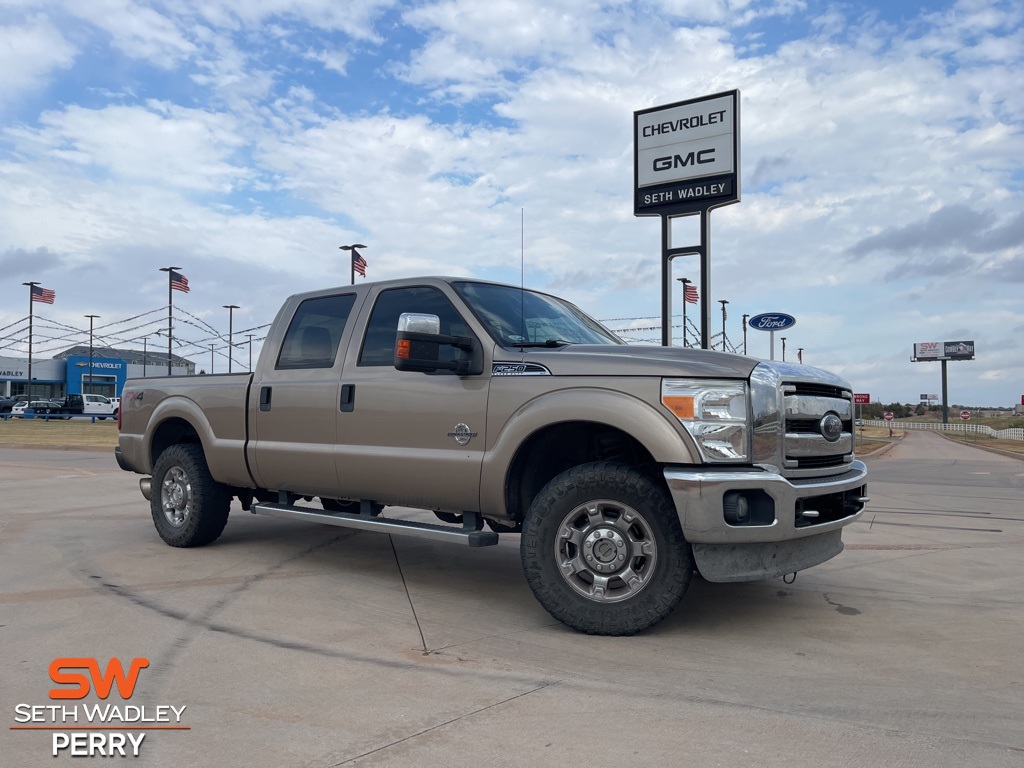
(633, 360)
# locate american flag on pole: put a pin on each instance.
(179, 282)
(44, 295)
(690, 294)
(358, 263)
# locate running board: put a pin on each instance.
(469, 533)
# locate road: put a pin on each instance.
(301, 645)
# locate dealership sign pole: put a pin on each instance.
(943, 351)
(686, 161)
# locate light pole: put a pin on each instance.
(745, 333)
(91, 318)
(355, 257)
(723, 302)
(250, 350)
(800, 355)
(170, 303)
(231, 331)
(685, 282)
(211, 359)
(783, 349)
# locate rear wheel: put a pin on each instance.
(603, 550)
(189, 507)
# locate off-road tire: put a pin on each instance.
(189, 507)
(630, 515)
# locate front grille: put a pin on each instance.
(807, 402)
(790, 407)
(812, 389)
(803, 426)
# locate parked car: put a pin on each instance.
(18, 411)
(6, 403)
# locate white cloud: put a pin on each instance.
(137, 30)
(162, 143)
(30, 52)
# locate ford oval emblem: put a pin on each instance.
(771, 321)
(831, 427)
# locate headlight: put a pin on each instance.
(715, 414)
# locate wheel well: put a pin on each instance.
(554, 449)
(172, 432)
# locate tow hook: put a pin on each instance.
(789, 578)
(146, 486)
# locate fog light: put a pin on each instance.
(736, 508)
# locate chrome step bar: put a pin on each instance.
(469, 533)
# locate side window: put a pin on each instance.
(382, 328)
(314, 332)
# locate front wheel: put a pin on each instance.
(603, 550)
(189, 507)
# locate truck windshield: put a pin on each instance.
(517, 317)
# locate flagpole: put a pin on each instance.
(28, 390)
(170, 306)
(684, 281)
(353, 254)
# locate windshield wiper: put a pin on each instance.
(548, 343)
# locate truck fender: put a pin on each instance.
(629, 414)
(225, 456)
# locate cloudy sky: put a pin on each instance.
(245, 140)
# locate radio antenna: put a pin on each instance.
(522, 269)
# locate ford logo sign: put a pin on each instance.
(772, 321)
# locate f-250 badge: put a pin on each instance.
(462, 434)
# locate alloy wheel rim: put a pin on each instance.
(606, 551)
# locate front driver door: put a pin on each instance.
(411, 438)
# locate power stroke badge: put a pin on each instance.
(462, 434)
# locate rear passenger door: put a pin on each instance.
(411, 438)
(293, 418)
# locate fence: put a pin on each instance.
(963, 428)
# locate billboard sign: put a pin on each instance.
(926, 397)
(771, 321)
(959, 350)
(943, 350)
(686, 155)
(861, 398)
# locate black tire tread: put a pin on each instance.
(675, 559)
(211, 500)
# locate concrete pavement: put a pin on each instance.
(294, 644)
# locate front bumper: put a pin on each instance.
(797, 536)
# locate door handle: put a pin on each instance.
(348, 398)
(265, 398)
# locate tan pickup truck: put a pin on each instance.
(625, 468)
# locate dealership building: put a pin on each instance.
(68, 373)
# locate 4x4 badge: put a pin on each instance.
(462, 434)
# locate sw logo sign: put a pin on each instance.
(103, 682)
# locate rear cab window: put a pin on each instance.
(314, 332)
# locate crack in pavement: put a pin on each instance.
(447, 722)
